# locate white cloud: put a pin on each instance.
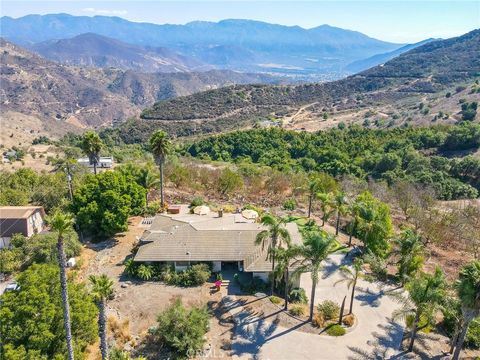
(105, 12)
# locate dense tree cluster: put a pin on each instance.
(104, 202)
(40, 249)
(411, 154)
(25, 186)
(32, 324)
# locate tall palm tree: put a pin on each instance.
(340, 206)
(350, 277)
(274, 236)
(102, 290)
(284, 257)
(313, 189)
(61, 223)
(66, 165)
(326, 205)
(91, 146)
(354, 210)
(409, 249)
(148, 180)
(316, 248)
(160, 146)
(468, 290)
(424, 297)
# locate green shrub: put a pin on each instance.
(253, 286)
(297, 310)
(130, 267)
(290, 204)
(152, 208)
(329, 309)
(198, 274)
(298, 295)
(424, 325)
(182, 330)
(197, 201)
(473, 335)
(194, 275)
(336, 330)
(276, 300)
(145, 272)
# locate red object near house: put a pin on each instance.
(173, 209)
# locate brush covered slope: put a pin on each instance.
(424, 71)
(92, 97)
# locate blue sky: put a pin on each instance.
(397, 21)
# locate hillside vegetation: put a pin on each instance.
(86, 96)
(449, 62)
(416, 155)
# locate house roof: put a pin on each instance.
(188, 237)
(19, 212)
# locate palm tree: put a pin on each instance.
(316, 248)
(61, 223)
(66, 165)
(353, 210)
(148, 181)
(91, 146)
(452, 309)
(326, 205)
(340, 206)
(409, 249)
(313, 189)
(102, 290)
(284, 257)
(424, 297)
(468, 290)
(273, 237)
(160, 146)
(350, 276)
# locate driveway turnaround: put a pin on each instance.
(375, 336)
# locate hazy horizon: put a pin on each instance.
(400, 22)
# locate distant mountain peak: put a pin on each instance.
(236, 44)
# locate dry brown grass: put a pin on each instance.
(349, 320)
(120, 331)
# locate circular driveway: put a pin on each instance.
(374, 336)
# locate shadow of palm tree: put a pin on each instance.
(384, 345)
(330, 266)
(372, 297)
(250, 335)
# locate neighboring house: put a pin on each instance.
(26, 220)
(104, 162)
(227, 241)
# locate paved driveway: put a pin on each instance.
(375, 335)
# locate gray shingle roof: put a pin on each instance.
(206, 238)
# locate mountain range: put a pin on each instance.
(87, 96)
(320, 53)
(409, 79)
(91, 49)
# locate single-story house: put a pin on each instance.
(25, 220)
(225, 240)
(104, 162)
